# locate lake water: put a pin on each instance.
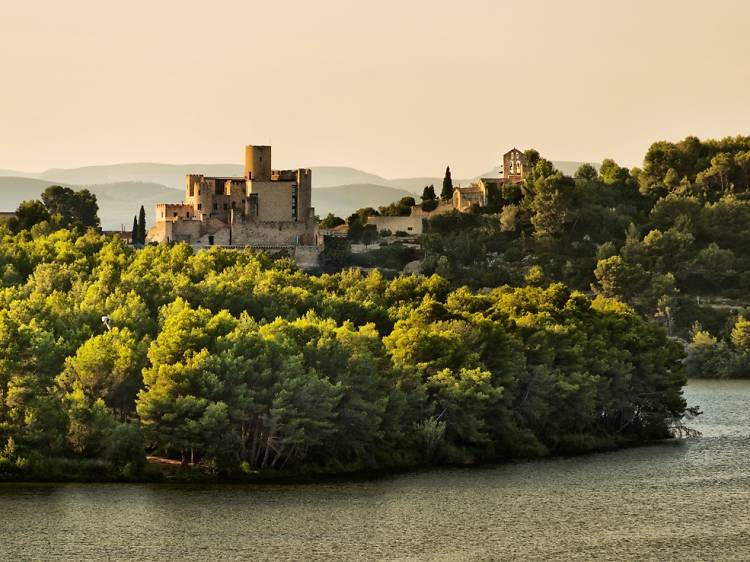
(686, 500)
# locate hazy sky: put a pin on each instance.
(395, 87)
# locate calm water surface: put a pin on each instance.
(686, 500)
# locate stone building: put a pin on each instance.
(514, 169)
(264, 208)
(474, 194)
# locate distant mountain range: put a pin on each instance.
(343, 200)
(122, 188)
(118, 201)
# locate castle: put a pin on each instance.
(264, 208)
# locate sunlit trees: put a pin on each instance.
(707, 357)
(108, 367)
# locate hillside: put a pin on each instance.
(13, 190)
(173, 175)
(335, 176)
(169, 175)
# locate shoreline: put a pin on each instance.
(192, 475)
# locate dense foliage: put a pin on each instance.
(237, 363)
(672, 240)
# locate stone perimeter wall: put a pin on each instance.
(410, 225)
(250, 233)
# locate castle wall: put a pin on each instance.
(274, 199)
(174, 231)
(272, 233)
(236, 192)
(304, 194)
(410, 225)
(307, 256)
(174, 211)
(160, 232)
(219, 237)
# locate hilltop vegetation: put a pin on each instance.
(670, 239)
(237, 365)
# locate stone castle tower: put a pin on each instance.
(265, 207)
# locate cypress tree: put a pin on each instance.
(447, 192)
(134, 232)
(428, 194)
(142, 226)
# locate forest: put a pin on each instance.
(670, 239)
(233, 365)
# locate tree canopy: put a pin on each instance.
(239, 364)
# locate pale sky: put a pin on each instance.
(395, 87)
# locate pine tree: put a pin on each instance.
(142, 226)
(134, 233)
(447, 192)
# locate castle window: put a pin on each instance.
(253, 200)
(199, 206)
(175, 213)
